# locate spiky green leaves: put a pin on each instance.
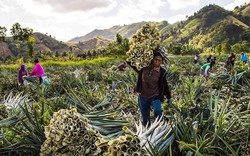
(3, 111)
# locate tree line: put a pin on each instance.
(19, 34)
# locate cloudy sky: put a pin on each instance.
(66, 19)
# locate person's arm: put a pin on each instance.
(133, 67)
(34, 71)
(167, 92)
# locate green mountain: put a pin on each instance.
(43, 43)
(46, 44)
(246, 11)
(242, 10)
(204, 30)
(93, 43)
(208, 27)
(110, 34)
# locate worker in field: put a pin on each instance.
(232, 59)
(205, 68)
(21, 73)
(209, 58)
(122, 66)
(196, 57)
(152, 87)
(243, 58)
(213, 59)
(38, 71)
(227, 64)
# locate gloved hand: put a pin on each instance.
(170, 101)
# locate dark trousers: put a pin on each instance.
(145, 104)
(40, 80)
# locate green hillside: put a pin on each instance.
(43, 43)
(93, 43)
(204, 30)
(246, 11)
(207, 28)
(46, 44)
(242, 10)
(110, 34)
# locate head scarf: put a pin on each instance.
(21, 73)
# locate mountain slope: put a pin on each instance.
(246, 11)
(94, 43)
(207, 28)
(110, 34)
(47, 43)
(43, 43)
(4, 50)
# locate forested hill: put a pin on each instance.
(205, 30)
(209, 27)
(44, 43)
(110, 34)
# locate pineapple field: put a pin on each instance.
(92, 109)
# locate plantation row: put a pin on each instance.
(92, 110)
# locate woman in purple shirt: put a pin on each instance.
(22, 72)
(38, 71)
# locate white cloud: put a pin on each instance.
(33, 8)
(66, 19)
(150, 6)
(181, 4)
(5, 7)
(76, 5)
(232, 5)
(140, 10)
(178, 17)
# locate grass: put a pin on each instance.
(237, 22)
(49, 63)
(246, 11)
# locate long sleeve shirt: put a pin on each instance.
(38, 70)
(163, 84)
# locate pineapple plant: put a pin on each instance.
(3, 111)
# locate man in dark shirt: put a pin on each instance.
(152, 87)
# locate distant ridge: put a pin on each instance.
(204, 30)
(110, 34)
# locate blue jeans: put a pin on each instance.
(145, 104)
